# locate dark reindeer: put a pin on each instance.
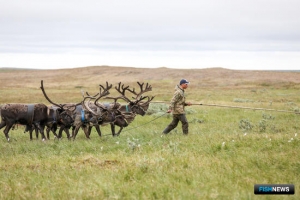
(58, 115)
(24, 114)
(64, 125)
(94, 114)
(53, 123)
(138, 106)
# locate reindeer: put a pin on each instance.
(52, 124)
(58, 115)
(88, 114)
(133, 107)
(113, 114)
(25, 114)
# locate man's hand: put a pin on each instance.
(188, 103)
(169, 111)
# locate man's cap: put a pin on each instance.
(183, 81)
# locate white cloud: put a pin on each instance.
(68, 26)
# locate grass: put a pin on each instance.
(219, 159)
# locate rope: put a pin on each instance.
(146, 122)
(142, 124)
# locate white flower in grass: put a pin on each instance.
(291, 140)
(245, 134)
(295, 134)
(117, 142)
(223, 144)
(133, 144)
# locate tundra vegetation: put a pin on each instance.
(227, 151)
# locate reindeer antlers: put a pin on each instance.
(103, 92)
(121, 89)
(48, 99)
(142, 91)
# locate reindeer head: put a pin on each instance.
(122, 89)
(137, 105)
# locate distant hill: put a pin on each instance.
(97, 74)
(65, 85)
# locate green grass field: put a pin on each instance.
(227, 151)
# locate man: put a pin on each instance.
(177, 108)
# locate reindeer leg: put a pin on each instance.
(86, 130)
(98, 130)
(41, 128)
(48, 132)
(36, 132)
(112, 126)
(67, 132)
(30, 132)
(62, 127)
(6, 130)
(53, 129)
(76, 131)
(73, 127)
(29, 129)
(90, 130)
(121, 128)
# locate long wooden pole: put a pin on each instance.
(241, 107)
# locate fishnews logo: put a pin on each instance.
(274, 189)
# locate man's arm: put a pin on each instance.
(174, 100)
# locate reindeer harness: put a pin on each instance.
(54, 114)
(127, 108)
(30, 113)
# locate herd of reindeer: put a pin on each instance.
(85, 114)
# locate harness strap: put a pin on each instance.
(30, 113)
(114, 117)
(127, 108)
(54, 114)
(82, 116)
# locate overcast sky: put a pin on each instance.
(236, 34)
